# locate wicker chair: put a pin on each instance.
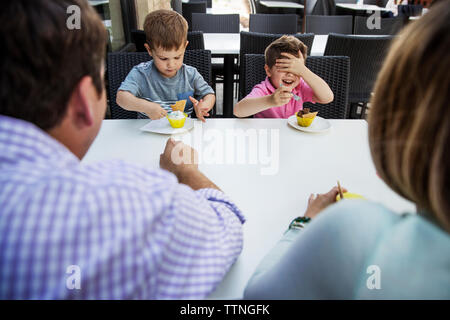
(256, 43)
(328, 24)
(190, 8)
(388, 26)
(273, 23)
(215, 23)
(120, 64)
(334, 70)
(366, 57)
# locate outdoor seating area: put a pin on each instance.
(257, 151)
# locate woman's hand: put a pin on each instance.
(319, 202)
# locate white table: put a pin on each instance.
(360, 7)
(319, 44)
(308, 163)
(222, 43)
(281, 4)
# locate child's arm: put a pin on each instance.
(250, 106)
(129, 102)
(203, 106)
(322, 92)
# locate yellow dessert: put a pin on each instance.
(348, 195)
(305, 117)
(177, 119)
(179, 105)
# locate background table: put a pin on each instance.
(308, 163)
(228, 46)
(281, 4)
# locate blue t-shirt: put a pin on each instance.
(357, 250)
(144, 81)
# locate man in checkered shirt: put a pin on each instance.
(111, 230)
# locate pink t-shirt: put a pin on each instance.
(303, 90)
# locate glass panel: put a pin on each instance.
(111, 14)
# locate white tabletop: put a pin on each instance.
(308, 163)
(229, 43)
(319, 44)
(222, 43)
(281, 4)
(355, 6)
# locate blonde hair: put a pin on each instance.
(165, 29)
(409, 121)
(289, 44)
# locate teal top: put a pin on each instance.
(357, 249)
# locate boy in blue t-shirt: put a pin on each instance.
(151, 87)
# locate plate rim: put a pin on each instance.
(304, 129)
(171, 133)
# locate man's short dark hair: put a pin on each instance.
(42, 59)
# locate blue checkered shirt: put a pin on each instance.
(109, 230)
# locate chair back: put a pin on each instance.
(120, 64)
(196, 41)
(273, 23)
(388, 26)
(335, 71)
(192, 7)
(215, 23)
(366, 58)
(328, 24)
(208, 2)
(256, 43)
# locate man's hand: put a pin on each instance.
(178, 157)
(201, 111)
(291, 64)
(320, 202)
(156, 112)
(281, 96)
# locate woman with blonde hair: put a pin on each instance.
(357, 249)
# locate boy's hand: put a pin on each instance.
(156, 112)
(201, 111)
(291, 63)
(281, 96)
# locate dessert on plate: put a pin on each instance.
(177, 119)
(305, 117)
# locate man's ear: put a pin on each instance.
(266, 67)
(82, 102)
(147, 47)
(187, 42)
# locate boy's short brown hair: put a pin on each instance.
(289, 44)
(43, 60)
(165, 29)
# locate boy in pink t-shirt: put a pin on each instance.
(286, 75)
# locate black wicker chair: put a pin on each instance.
(215, 23)
(208, 2)
(388, 26)
(256, 43)
(195, 39)
(334, 70)
(176, 6)
(328, 24)
(366, 57)
(273, 23)
(190, 8)
(120, 64)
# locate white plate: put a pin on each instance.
(162, 126)
(318, 125)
